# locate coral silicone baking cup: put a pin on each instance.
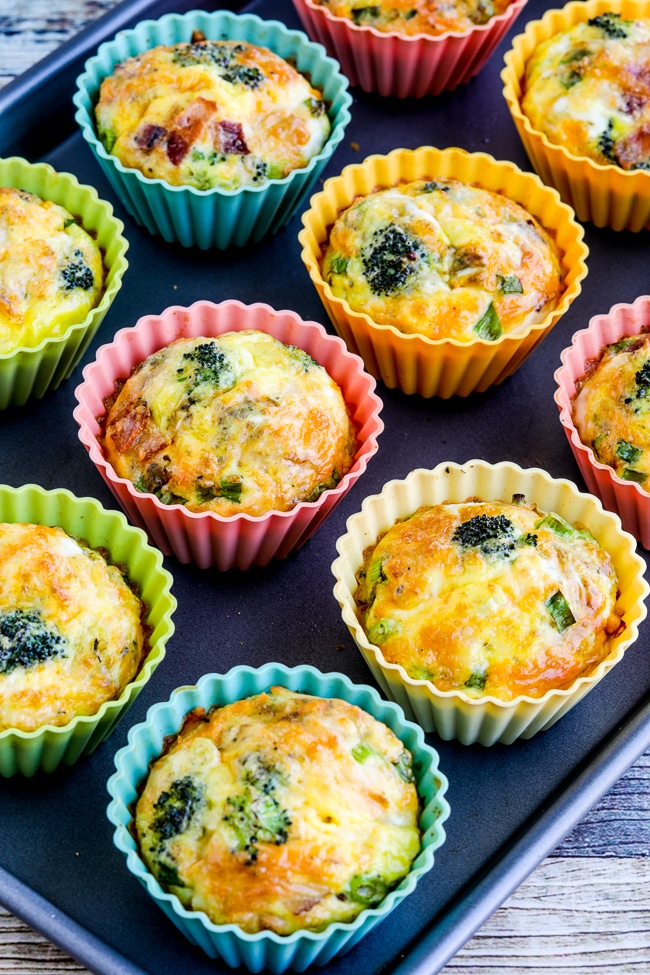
(30, 372)
(452, 714)
(207, 538)
(416, 363)
(26, 753)
(401, 65)
(627, 498)
(215, 217)
(605, 195)
(267, 950)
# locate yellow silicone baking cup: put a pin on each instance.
(605, 195)
(452, 714)
(415, 363)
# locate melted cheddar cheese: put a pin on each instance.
(489, 598)
(412, 17)
(211, 114)
(51, 272)
(611, 409)
(588, 89)
(444, 259)
(71, 635)
(237, 423)
(281, 812)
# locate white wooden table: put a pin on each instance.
(586, 909)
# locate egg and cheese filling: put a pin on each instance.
(211, 114)
(444, 259)
(51, 271)
(489, 598)
(282, 811)
(71, 635)
(587, 89)
(611, 409)
(236, 423)
(412, 17)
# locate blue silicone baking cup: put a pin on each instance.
(216, 217)
(267, 950)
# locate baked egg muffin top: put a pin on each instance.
(412, 17)
(51, 271)
(444, 259)
(588, 89)
(282, 812)
(237, 423)
(211, 114)
(611, 409)
(71, 635)
(489, 598)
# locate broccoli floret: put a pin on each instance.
(76, 273)
(493, 535)
(175, 808)
(391, 259)
(484, 11)
(316, 107)
(476, 681)
(222, 56)
(642, 380)
(210, 365)
(362, 14)
(606, 143)
(628, 452)
(26, 640)
(255, 815)
(610, 24)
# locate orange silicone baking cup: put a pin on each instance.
(401, 65)
(604, 195)
(207, 538)
(627, 498)
(415, 363)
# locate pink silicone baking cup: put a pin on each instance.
(206, 538)
(604, 195)
(627, 498)
(400, 65)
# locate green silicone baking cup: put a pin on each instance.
(24, 752)
(267, 950)
(28, 373)
(213, 218)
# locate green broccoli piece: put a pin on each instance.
(391, 259)
(510, 284)
(76, 273)
(607, 142)
(221, 56)
(477, 680)
(210, 365)
(610, 24)
(362, 14)
(493, 535)
(255, 815)
(175, 809)
(26, 640)
(628, 452)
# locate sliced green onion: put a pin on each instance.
(560, 611)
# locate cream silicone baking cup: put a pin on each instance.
(216, 217)
(30, 372)
(401, 65)
(266, 950)
(605, 195)
(416, 363)
(452, 714)
(627, 498)
(23, 752)
(207, 538)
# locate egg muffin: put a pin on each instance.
(71, 632)
(587, 89)
(489, 598)
(611, 409)
(412, 17)
(282, 812)
(51, 270)
(237, 423)
(444, 259)
(211, 114)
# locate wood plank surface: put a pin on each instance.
(585, 910)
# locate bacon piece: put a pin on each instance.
(231, 137)
(634, 149)
(177, 148)
(128, 425)
(149, 136)
(187, 128)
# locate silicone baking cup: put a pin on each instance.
(627, 498)
(605, 195)
(416, 363)
(452, 714)
(30, 372)
(207, 538)
(266, 950)
(49, 747)
(401, 65)
(213, 218)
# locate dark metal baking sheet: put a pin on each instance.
(510, 805)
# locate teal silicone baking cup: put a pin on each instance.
(213, 218)
(267, 950)
(28, 373)
(49, 747)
